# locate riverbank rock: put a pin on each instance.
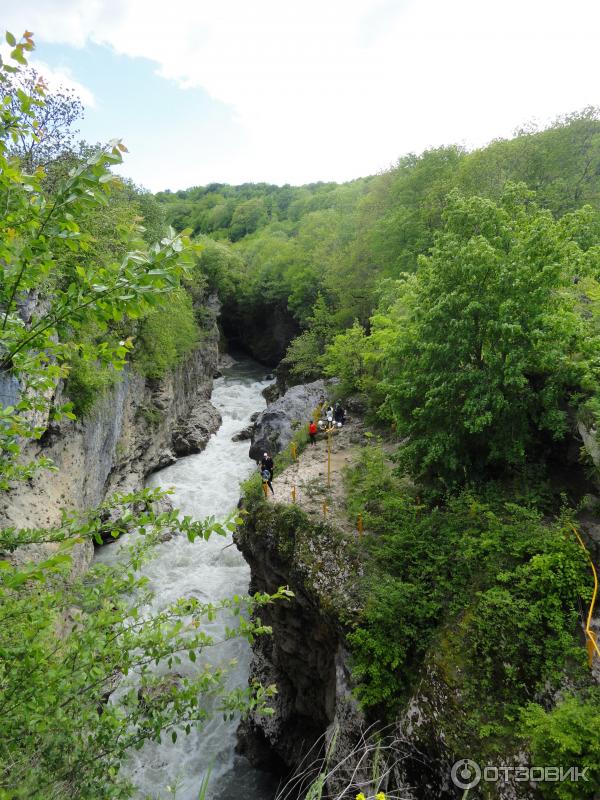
(276, 425)
(304, 655)
(243, 435)
(225, 362)
(192, 434)
(271, 393)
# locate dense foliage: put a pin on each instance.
(341, 242)
(457, 293)
(523, 577)
(566, 735)
(492, 347)
(483, 594)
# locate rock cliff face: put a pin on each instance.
(265, 334)
(275, 427)
(305, 657)
(136, 428)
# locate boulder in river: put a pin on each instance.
(271, 393)
(243, 435)
(192, 434)
(275, 427)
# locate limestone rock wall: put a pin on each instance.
(137, 427)
(275, 427)
(305, 657)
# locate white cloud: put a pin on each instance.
(338, 88)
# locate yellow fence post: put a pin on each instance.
(293, 493)
(592, 644)
(293, 449)
(324, 509)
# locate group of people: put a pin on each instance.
(339, 414)
(330, 416)
(333, 415)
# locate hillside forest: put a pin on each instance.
(455, 297)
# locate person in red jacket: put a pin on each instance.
(312, 431)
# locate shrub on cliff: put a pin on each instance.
(507, 583)
(566, 737)
(166, 335)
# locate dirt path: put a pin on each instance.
(309, 475)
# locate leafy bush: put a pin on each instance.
(566, 736)
(87, 382)
(166, 336)
(304, 355)
(516, 576)
(533, 611)
(252, 491)
(345, 358)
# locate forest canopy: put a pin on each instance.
(398, 281)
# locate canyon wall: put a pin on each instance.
(137, 427)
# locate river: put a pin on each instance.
(206, 484)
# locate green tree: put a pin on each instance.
(166, 335)
(346, 359)
(491, 348)
(304, 355)
(52, 137)
(247, 217)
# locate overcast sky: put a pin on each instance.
(291, 92)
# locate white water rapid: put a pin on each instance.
(205, 484)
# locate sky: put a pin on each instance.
(283, 91)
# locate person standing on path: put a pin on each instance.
(312, 431)
(266, 470)
(330, 417)
(266, 462)
(266, 477)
